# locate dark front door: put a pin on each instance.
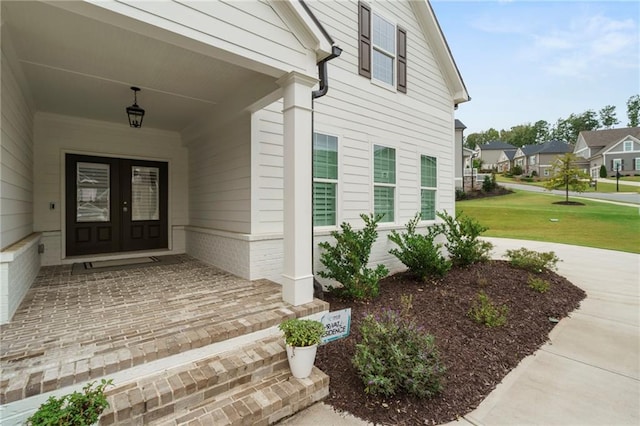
(115, 204)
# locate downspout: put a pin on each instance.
(322, 90)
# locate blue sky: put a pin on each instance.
(524, 61)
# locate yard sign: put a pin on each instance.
(337, 325)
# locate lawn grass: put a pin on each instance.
(602, 186)
(527, 216)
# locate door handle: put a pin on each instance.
(125, 209)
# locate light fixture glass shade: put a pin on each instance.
(134, 112)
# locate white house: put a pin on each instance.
(221, 168)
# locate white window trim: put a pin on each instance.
(391, 185)
(616, 160)
(394, 65)
(420, 187)
(337, 182)
(636, 163)
(624, 146)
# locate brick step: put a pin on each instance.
(273, 398)
(230, 376)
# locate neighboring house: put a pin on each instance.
(461, 154)
(490, 152)
(538, 159)
(505, 160)
(221, 168)
(617, 149)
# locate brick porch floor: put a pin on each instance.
(73, 328)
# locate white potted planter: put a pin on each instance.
(302, 338)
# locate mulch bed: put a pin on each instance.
(477, 357)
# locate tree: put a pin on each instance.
(603, 171)
(633, 110)
(568, 129)
(524, 134)
(542, 131)
(481, 138)
(565, 174)
(608, 116)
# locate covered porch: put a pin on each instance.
(129, 323)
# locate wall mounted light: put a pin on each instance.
(135, 113)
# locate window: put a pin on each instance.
(627, 146)
(617, 164)
(384, 182)
(428, 187)
(532, 160)
(382, 49)
(546, 172)
(93, 183)
(325, 179)
(637, 163)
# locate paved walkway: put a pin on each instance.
(589, 372)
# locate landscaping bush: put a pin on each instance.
(517, 170)
(395, 354)
(483, 311)
(346, 262)
(487, 186)
(531, 260)
(420, 253)
(463, 243)
(603, 171)
(538, 284)
(74, 409)
(460, 194)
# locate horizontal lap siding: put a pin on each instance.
(16, 179)
(220, 178)
(250, 29)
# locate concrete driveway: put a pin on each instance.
(589, 371)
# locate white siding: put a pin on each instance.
(19, 265)
(57, 135)
(220, 178)
(16, 158)
(247, 33)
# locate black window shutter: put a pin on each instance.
(364, 46)
(622, 164)
(402, 59)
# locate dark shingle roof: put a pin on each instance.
(460, 125)
(596, 138)
(549, 147)
(510, 153)
(496, 145)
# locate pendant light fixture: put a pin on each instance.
(135, 113)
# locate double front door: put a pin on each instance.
(115, 204)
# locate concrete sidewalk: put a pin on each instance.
(589, 372)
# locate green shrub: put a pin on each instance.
(531, 260)
(517, 170)
(603, 171)
(420, 253)
(486, 184)
(460, 194)
(538, 284)
(395, 354)
(346, 262)
(302, 332)
(483, 311)
(75, 409)
(463, 243)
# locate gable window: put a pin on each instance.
(637, 163)
(325, 179)
(617, 164)
(532, 160)
(384, 182)
(627, 146)
(382, 49)
(428, 186)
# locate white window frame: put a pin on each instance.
(617, 161)
(624, 146)
(393, 55)
(325, 180)
(636, 163)
(375, 184)
(432, 188)
(546, 172)
(532, 160)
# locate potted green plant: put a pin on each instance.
(302, 337)
(74, 409)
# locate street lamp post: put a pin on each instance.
(618, 177)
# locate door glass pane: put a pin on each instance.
(92, 183)
(145, 202)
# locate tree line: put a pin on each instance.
(565, 129)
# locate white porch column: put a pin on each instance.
(297, 274)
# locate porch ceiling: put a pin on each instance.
(82, 67)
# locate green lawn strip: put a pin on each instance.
(527, 216)
(602, 186)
